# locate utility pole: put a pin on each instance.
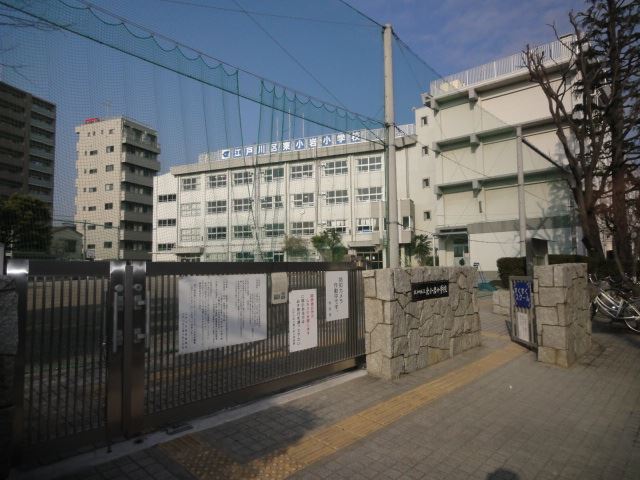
(393, 252)
(522, 214)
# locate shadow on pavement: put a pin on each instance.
(502, 474)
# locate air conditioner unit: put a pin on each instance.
(323, 194)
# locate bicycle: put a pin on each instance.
(616, 304)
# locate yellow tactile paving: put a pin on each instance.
(204, 462)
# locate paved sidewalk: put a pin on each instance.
(492, 412)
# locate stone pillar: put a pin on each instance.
(402, 336)
(8, 352)
(563, 319)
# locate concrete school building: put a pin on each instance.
(456, 174)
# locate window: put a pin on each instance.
(108, 168)
(426, 215)
(337, 196)
(92, 189)
(216, 181)
(367, 225)
(190, 209)
(170, 197)
(339, 226)
(108, 225)
(108, 187)
(302, 228)
(166, 222)
(107, 244)
(216, 233)
(406, 223)
(424, 120)
(337, 167)
(271, 202)
(92, 209)
(242, 231)
(110, 149)
(369, 194)
(166, 247)
(273, 174)
(274, 230)
(111, 131)
(242, 204)
(273, 256)
(91, 226)
(190, 258)
(244, 257)
(216, 257)
(302, 171)
(108, 206)
(243, 178)
(93, 152)
(479, 206)
(190, 234)
(91, 246)
(425, 183)
(303, 200)
(92, 171)
(216, 206)
(369, 164)
(190, 184)
(425, 150)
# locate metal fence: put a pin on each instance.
(99, 355)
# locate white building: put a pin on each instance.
(117, 160)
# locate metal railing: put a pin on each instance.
(555, 51)
(99, 348)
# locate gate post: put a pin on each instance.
(115, 312)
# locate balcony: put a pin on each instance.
(40, 168)
(136, 216)
(134, 255)
(129, 177)
(36, 152)
(140, 161)
(43, 111)
(38, 182)
(139, 142)
(50, 127)
(137, 198)
(43, 139)
(135, 235)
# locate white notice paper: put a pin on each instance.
(523, 326)
(303, 319)
(337, 295)
(221, 310)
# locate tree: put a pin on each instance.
(420, 247)
(295, 247)
(25, 224)
(329, 246)
(598, 131)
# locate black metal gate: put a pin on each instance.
(98, 351)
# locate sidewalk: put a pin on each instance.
(492, 412)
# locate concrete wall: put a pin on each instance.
(402, 336)
(8, 352)
(562, 312)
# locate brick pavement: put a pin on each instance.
(492, 412)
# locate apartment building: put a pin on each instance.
(239, 205)
(116, 164)
(27, 144)
(466, 129)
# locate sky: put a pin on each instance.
(323, 48)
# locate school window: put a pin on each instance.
(367, 225)
(91, 226)
(337, 167)
(242, 231)
(93, 152)
(217, 206)
(171, 197)
(273, 174)
(166, 222)
(339, 226)
(424, 120)
(216, 233)
(337, 196)
(274, 230)
(426, 215)
(190, 209)
(369, 164)
(190, 234)
(303, 200)
(271, 202)
(302, 171)
(108, 168)
(217, 181)
(92, 208)
(108, 225)
(166, 247)
(273, 256)
(110, 149)
(107, 244)
(425, 150)
(426, 183)
(243, 178)
(244, 257)
(92, 189)
(369, 194)
(302, 228)
(190, 184)
(93, 171)
(242, 204)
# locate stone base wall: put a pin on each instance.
(501, 302)
(8, 352)
(402, 336)
(561, 299)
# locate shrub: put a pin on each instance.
(510, 266)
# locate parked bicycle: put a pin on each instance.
(615, 303)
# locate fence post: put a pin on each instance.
(115, 322)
